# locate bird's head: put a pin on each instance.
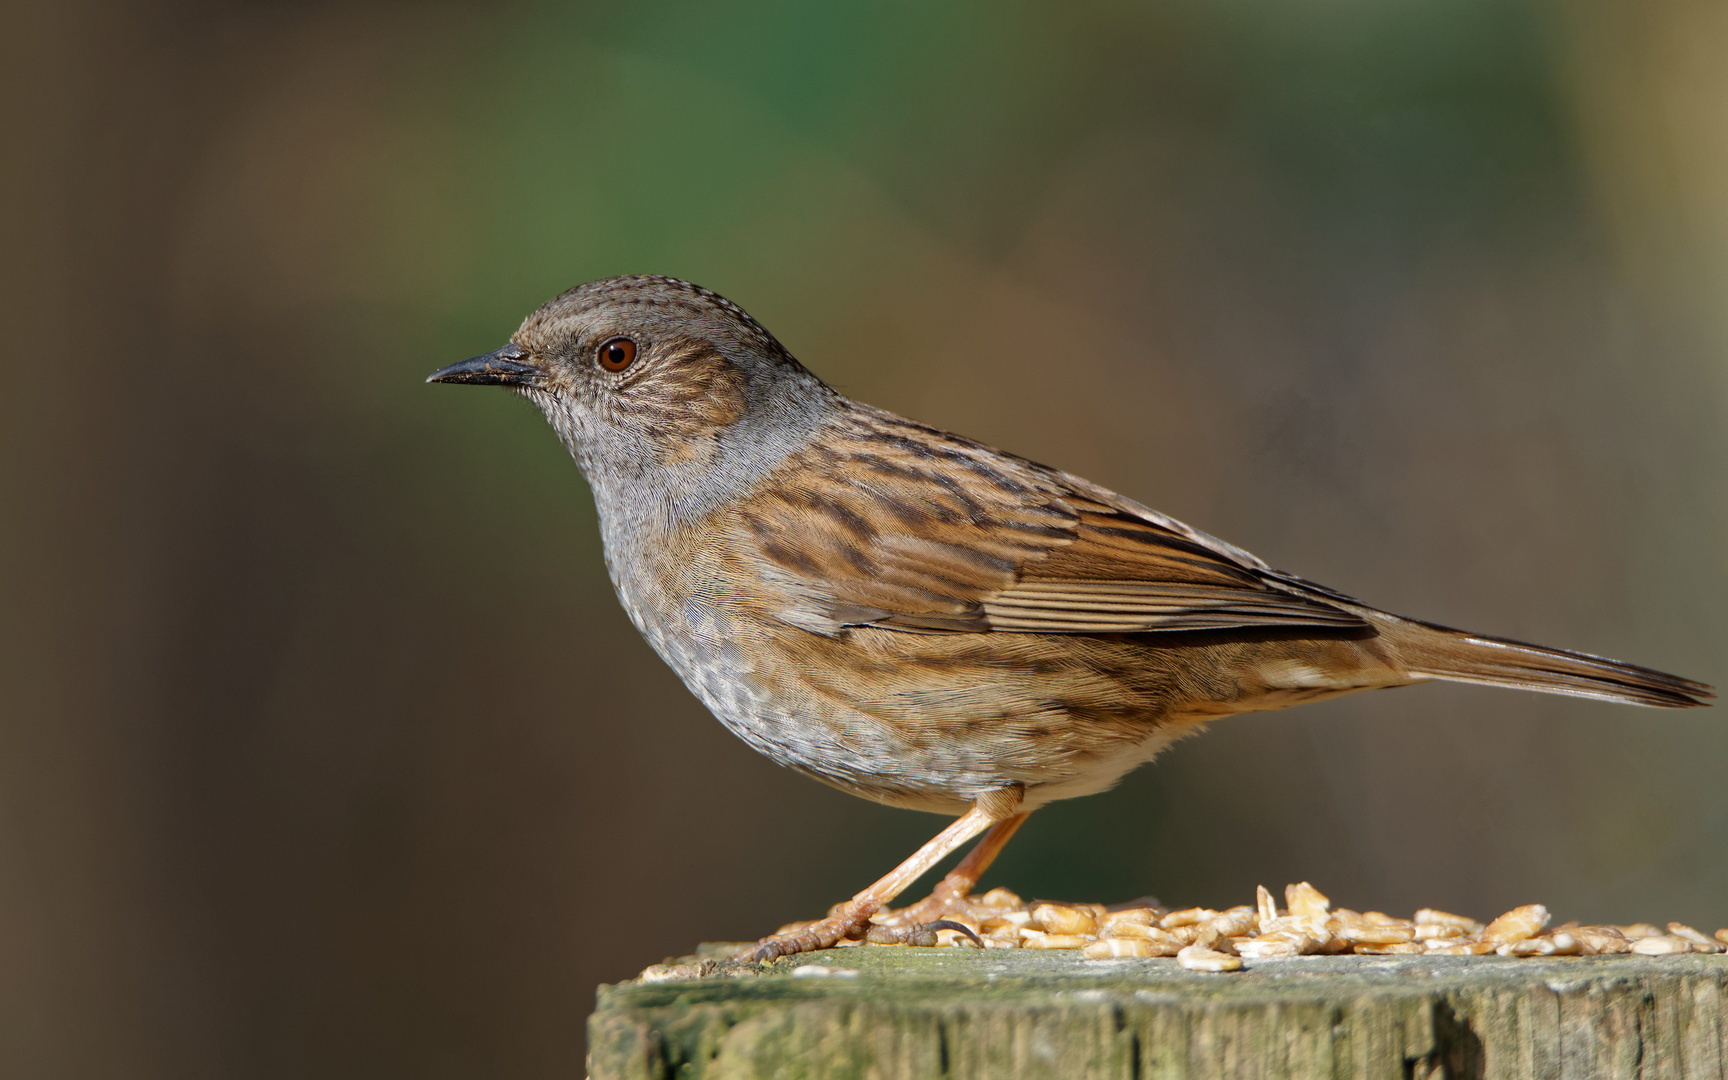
(657, 382)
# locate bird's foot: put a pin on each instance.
(916, 924)
(943, 899)
(848, 920)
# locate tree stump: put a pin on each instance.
(887, 1012)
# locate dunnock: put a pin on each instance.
(922, 620)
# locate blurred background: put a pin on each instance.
(324, 747)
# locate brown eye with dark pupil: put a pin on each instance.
(617, 353)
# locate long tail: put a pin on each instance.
(1442, 653)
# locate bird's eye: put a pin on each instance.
(616, 354)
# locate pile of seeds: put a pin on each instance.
(1308, 925)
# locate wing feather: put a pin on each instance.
(926, 532)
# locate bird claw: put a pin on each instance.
(950, 924)
(920, 934)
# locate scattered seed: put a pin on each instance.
(1464, 948)
(1438, 932)
(1236, 922)
(1187, 917)
(1601, 940)
(1001, 898)
(1431, 917)
(1207, 938)
(1113, 947)
(1305, 899)
(1661, 945)
(1263, 901)
(1195, 958)
(1148, 933)
(1536, 946)
(1063, 919)
(1012, 920)
(1700, 943)
(1268, 946)
(1035, 939)
(1313, 926)
(1130, 917)
(1381, 934)
(1517, 924)
(1309, 925)
(1566, 944)
(1396, 949)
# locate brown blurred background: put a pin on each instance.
(325, 750)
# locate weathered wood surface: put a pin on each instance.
(1025, 1013)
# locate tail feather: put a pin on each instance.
(1443, 653)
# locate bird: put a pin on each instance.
(922, 620)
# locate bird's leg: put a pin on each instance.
(853, 916)
(958, 883)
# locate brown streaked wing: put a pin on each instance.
(1122, 573)
(914, 529)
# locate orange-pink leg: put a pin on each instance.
(959, 882)
(991, 812)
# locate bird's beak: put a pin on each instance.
(509, 366)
